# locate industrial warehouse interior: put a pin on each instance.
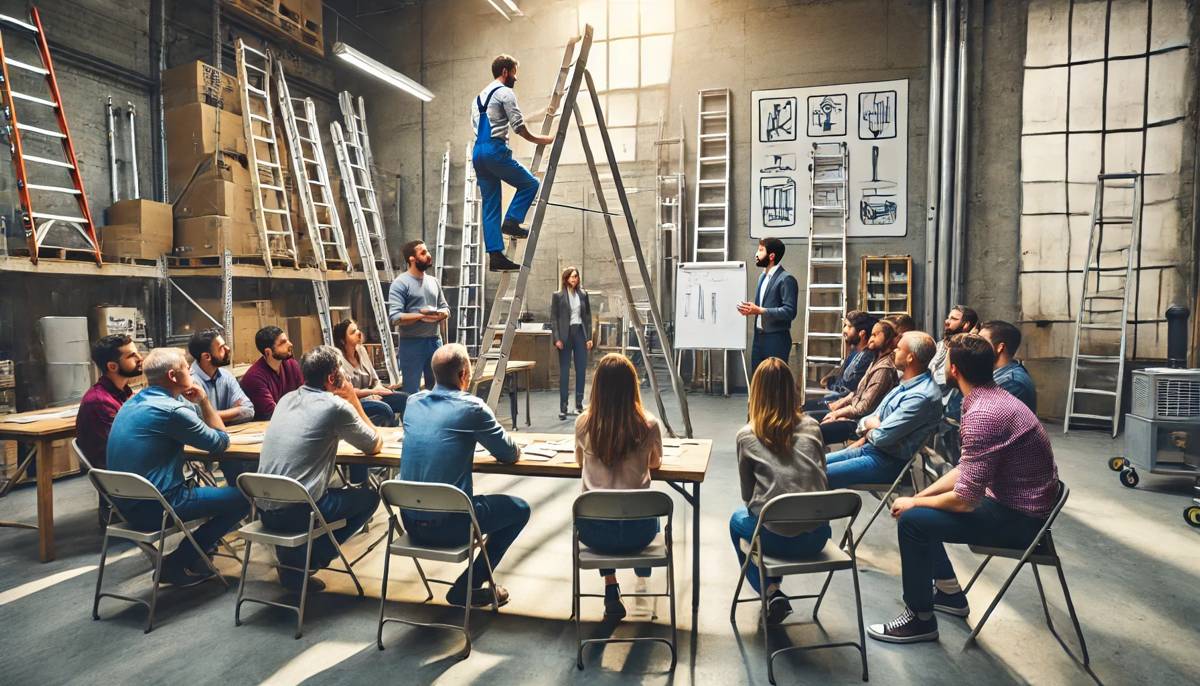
(600, 341)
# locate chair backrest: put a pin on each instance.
(641, 503)
(124, 485)
(79, 454)
(273, 487)
(811, 508)
(425, 497)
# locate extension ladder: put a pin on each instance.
(1097, 360)
(670, 189)
(471, 273)
(825, 291)
(37, 222)
(360, 183)
(443, 222)
(710, 233)
(577, 73)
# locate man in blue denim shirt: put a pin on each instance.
(441, 428)
(905, 418)
(147, 438)
(856, 331)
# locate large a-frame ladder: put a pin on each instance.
(825, 291)
(572, 76)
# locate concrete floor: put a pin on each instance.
(1132, 563)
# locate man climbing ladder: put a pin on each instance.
(494, 162)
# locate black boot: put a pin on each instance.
(498, 262)
(514, 229)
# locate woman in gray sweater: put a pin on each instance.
(779, 451)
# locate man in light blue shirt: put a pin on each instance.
(209, 354)
(441, 428)
(147, 438)
(905, 418)
(417, 304)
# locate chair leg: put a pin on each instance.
(424, 580)
(862, 629)
(466, 629)
(995, 602)
(671, 598)
(100, 572)
(986, 560)
(383, 587)
(1037, 578)
(162, 542)
(304, 584)
(350, 570)
(737, 593)
(821, 595)
(878, 508)
(241, 592)
(762, 597)
(575, 610)
(1062, 579)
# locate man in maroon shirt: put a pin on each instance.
(274, 374)
(1001, 492)
(118, 360)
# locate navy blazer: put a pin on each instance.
(779, 301)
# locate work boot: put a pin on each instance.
(514, 229)
(498, 262)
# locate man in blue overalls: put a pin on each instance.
(494, 161)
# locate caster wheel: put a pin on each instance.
(1192, 515)
(1117, 463)
(1129, 477)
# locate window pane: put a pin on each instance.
(598, 66)
(622, 64)
(622, 109)
(658, 16)
(1127, 28)
(1126, 91)
(656, 60)
(622, 18)
(1046, 42)
(624, 143)
(594, 12)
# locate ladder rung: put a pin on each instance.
(18, 23)
(1115, 294)
(26, 66)
(824, 308)
(828, 208)
(271, 187)
(827, 237)
(264, 139)
(823, 359)
(827, 286)
(1114, 220)
(710, 229)
(265, 163)
(34, 99)
(1105, 359)
(1083, 415)
(828, 182)
(713, 159)
(713, 136)
(720, 250)
(1109, 327)
(713, 113)
(823, 334)
(43, 160)
(260, 70)
(826, 260)
(712, 182)
(257, 91)
(52, 189)
(44, 132)
(1096, 391)
(251, 50)
(274, 211)
(710, 205)
(58, 217)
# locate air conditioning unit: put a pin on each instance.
(1164, 394)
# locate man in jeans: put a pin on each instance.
(1000, 494)
(441, 428)
(908, 414)
(418, 306)
(841, 382)
(301, 442)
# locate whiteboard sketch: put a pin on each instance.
(774, 164)
(706, 303)
(777, 120)
(877, 204)
(827, 115)
(877, 115)
(778, 199)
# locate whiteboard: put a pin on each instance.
(870, 118)
(706, 299)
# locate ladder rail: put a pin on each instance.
(443, 216)
(299, 168)
(471, 284)
(358, 139)
(816, 263)
(325, 184)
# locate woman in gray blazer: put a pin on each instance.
(571, 329)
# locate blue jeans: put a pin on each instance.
(741, 528)
(355, 505)
(383, 412)
(501, 517)
(923, 530)
(839, 430)
(416, 358)
(769, 344)
(863, 465)
(574, 345)
(225, 507)
(618, 537)
(494, 163)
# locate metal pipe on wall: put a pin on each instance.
(958, 239)
(946, 195)
(932, 187)
(158, 133)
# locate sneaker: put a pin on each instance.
(562, 415)
(480, 597)
(497, 262)
(514, 229)
(951, 603)
(778, 608)
(181, 577)
(293, 581)
(905, 628)
(614, 609)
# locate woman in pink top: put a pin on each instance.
(617, 443)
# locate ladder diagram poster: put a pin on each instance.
(870, 118)
(706, 299)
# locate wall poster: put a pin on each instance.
(871, 118)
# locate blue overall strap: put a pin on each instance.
(484, 106)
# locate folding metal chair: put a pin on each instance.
(812, 509)
(622, 505)
(285, 490)
(1041, 551)
(417, 496)
(128, 486)
(888, 492)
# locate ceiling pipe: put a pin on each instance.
(962, 148)
(932, 187)
(946, 195)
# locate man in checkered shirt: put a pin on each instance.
(999, 495)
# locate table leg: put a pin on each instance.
(45, 502)
(528, 385)
(696, 547)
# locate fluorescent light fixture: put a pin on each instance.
(499, 9)
(512, 7)
(381, 71)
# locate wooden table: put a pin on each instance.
(679, 472)
(513, 368)
(41, 433)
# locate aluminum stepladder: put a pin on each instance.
(346, 151)
(272, 214)
(443, 223)
(825, 288)
(38, 224)
(358, 151)
(577, 73)
(1114, 241)
(669, 192)
(471, 273)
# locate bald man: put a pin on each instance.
(899, 426)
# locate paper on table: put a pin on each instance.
(42, 416)
(246, 439)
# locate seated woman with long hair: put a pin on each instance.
(381, 403)
(779, 451)
(617, 443)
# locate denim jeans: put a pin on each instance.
(384, 412)
(493, 161)
(225, 507)
(741, 528)
(618, 537)
(355, 505)
(839, 430)
(922, 531)
(416, 358)
(575, 346)
(501, 517)
(865, 464)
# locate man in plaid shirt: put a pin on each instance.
(999, 494)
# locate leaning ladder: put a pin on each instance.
(272, 214)
(710, 236)
(358, 174)
(38, 224)
(1113, 245)
(825, 291)
(471, 274)
(578, 73)
(443, 220)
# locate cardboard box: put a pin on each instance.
(212, 235)
(305, 333)
(215, 196)
(62, 460)
(197, 82)
(115, 321)
(130, 240)
(183, 173)
(197, 131)
(248, 317)
(153, 217)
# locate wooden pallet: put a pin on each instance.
(281, 18)
(63, 254)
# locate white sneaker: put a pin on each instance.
(643, 605)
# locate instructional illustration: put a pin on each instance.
(777, 195)
(877, 115)
(877, 203)
(827, 115)
(777, 120)
(706, 303)
(774, 164)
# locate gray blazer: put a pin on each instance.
(560, 315)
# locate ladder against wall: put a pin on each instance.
(442, 239)
(670, 192)
(1102, 319)
(471, 274)
(627, 250)
(53, 203)
(361, 183)
(825, 291)
(710, 234)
